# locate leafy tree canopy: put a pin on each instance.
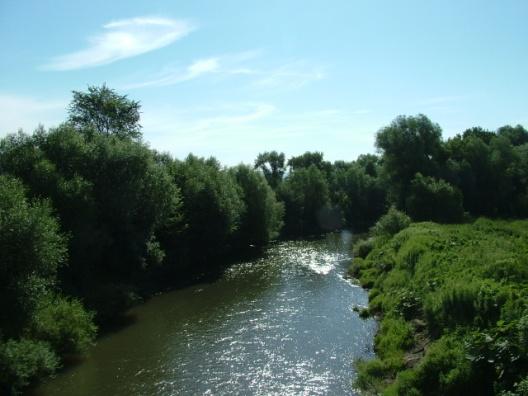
(409, 145)
(307, 159)
(272, 166)
(106, 112)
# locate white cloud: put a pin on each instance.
(171, 77)
(20, 112)
(259, 111)
(123, 39)
(291, 75)
(203, 66)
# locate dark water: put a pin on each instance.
(279, 325)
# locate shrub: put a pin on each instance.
(443, 371)
(112, 300)
(522, 387)
(390, 223)
(457, 292)
(31, 251)
(65, 324)
(408, 304)
(434, 199)
(24, 361)
(394, 335)
(462, 304)
(363, 247)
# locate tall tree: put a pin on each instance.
(409, 145)
(262, 219)
(306, 198)
(272, 166)
(102, 109)
(307, 159)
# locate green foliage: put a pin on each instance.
(105, 111)
(358, 191)
(272, 166)
(410, 145)
(433, 199)
(444, 370)
(31, 251)
(460, 290)
(522, 387)
(212, 206)
(262, 219)
(517, 135)
(363, 247)
(24, 361)
(112, 299)
(394, 336)
(137, 221)
(111, 195)
(308, 159)
(488, 165)
(390, 223)
(64, 324)
(454, 304)
(305, 194)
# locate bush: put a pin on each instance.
(363, 247)
(31, 251)
(434, 199)
(394, 336)
(390, 223)
(24, 361)
(453, 309)
(443, 371)
(464, 304)
(65, 324)
(522, 387)
(112, 301)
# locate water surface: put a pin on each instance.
(280, 325)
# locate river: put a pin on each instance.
(282, 324)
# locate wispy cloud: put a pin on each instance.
(205, 121)
(289, 75)
(239, 131)
(171, 77)
(21, 112)
(257, 112)
(222, 64)
(123, 39)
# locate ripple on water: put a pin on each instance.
(279, 325)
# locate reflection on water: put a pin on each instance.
(279, 325)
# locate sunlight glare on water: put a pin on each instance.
(279, 325)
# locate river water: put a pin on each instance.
(282, 324)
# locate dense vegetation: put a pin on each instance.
(92, 220)
(453, 306)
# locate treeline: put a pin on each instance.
(102, 221)
(92, 219)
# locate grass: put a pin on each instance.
(453, 307)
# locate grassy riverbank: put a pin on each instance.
(452, 302)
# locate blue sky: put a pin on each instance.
(235, 78)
